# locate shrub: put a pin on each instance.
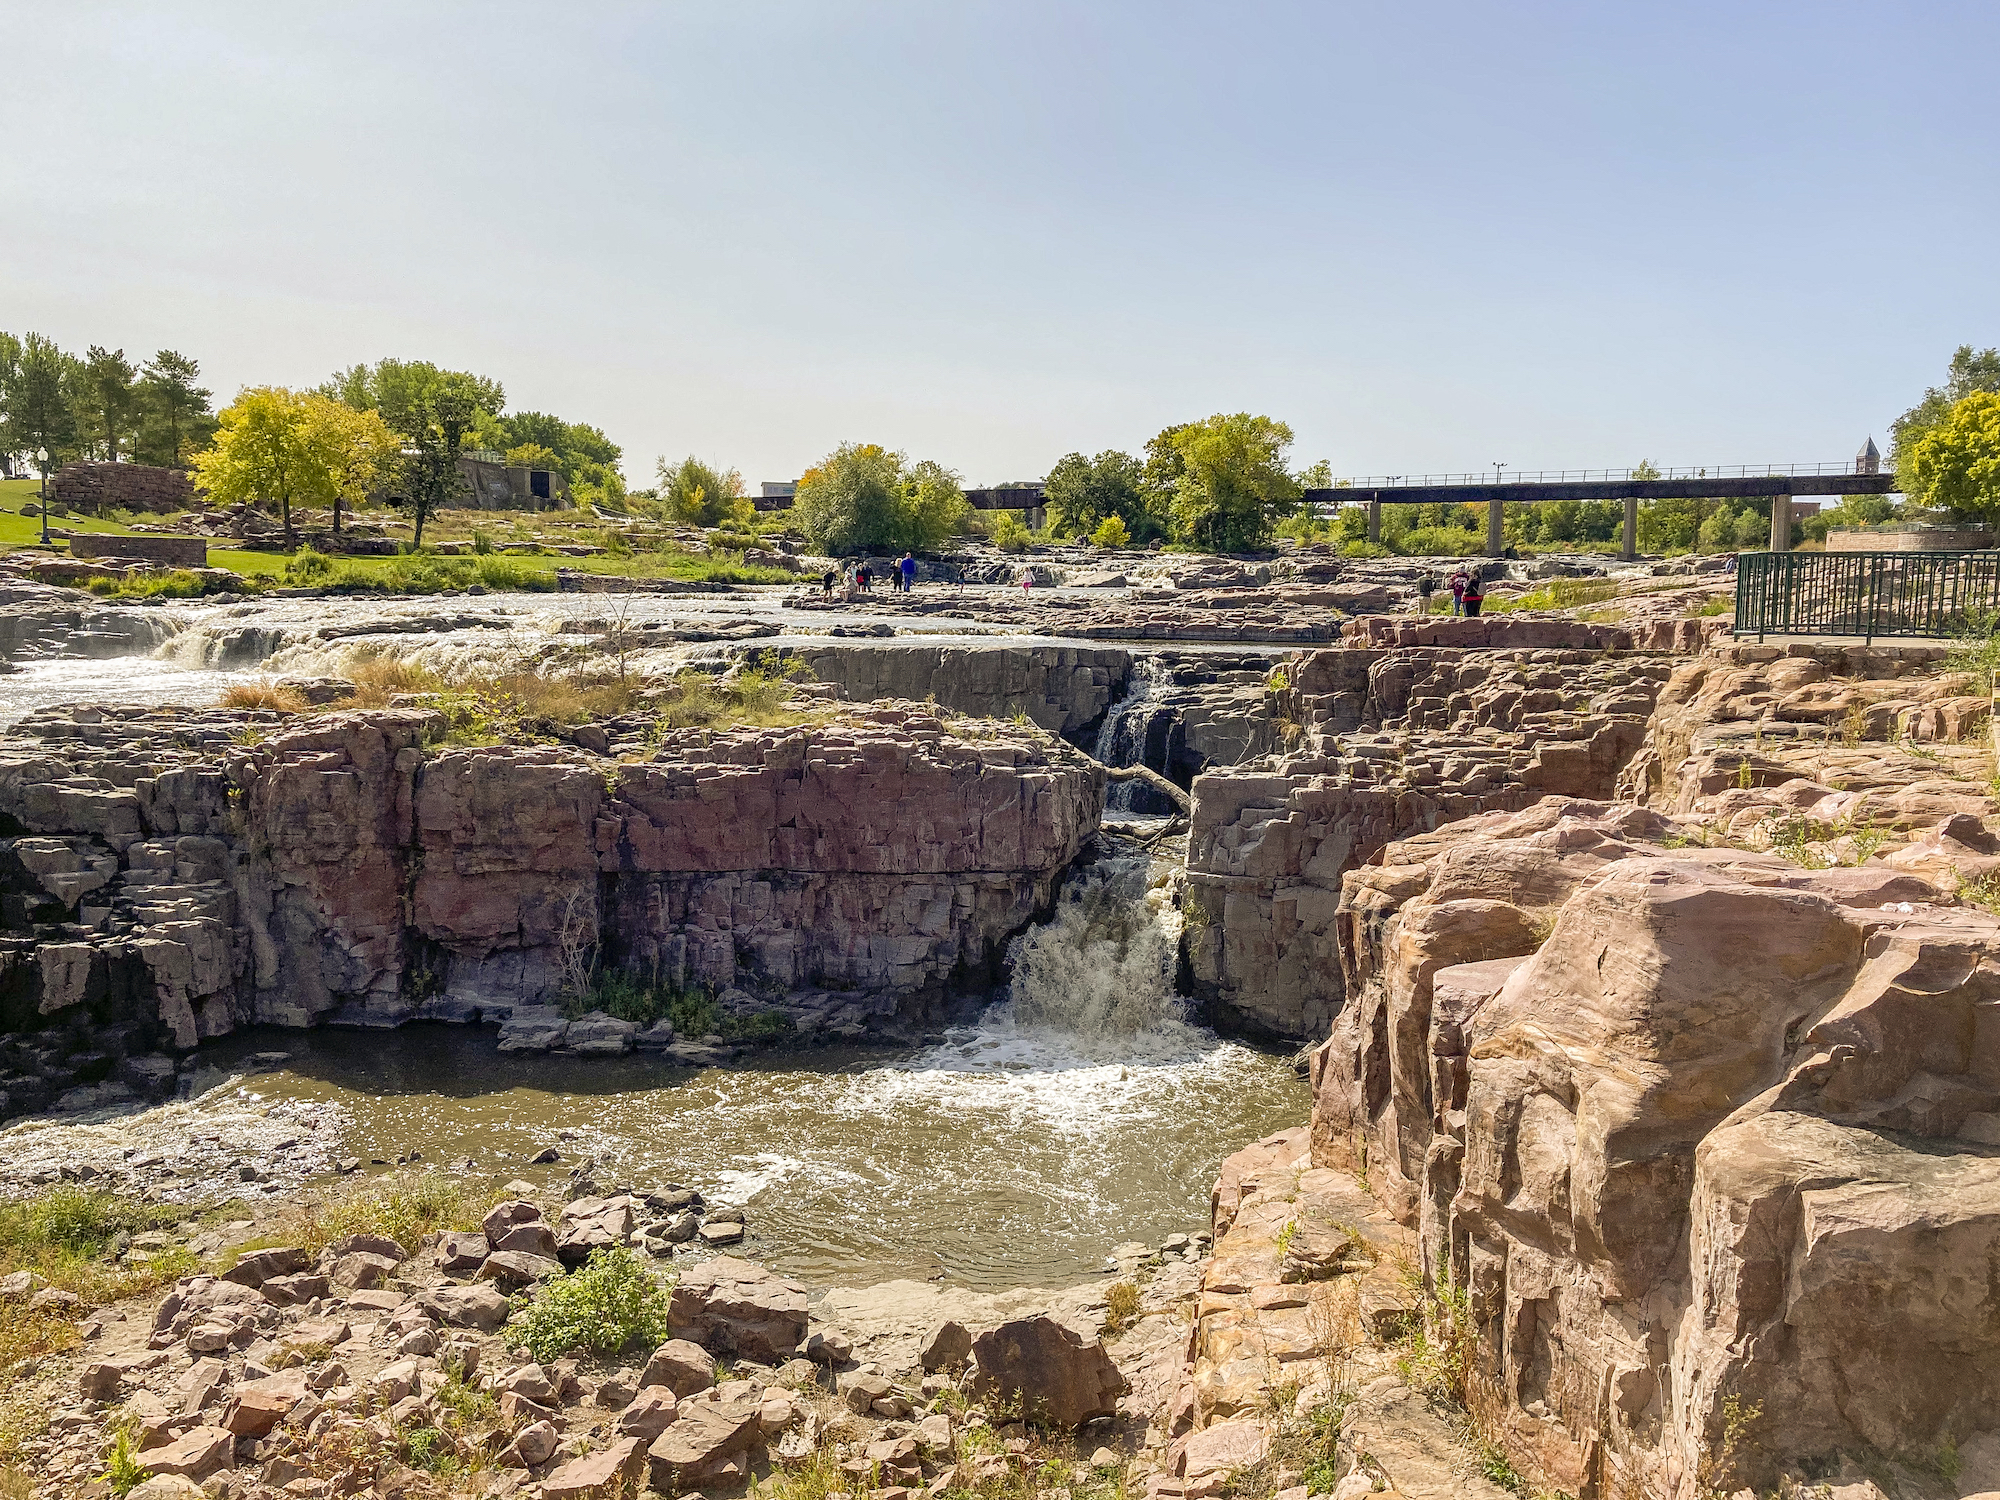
(612, 1303)
(1111, 532)
(1121, 1307)
(307, 567)
(1364, 549)
(1008, 533)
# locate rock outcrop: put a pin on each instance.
(1389, 743)
(178, 874)
(1705, 1137)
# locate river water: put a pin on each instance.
(1083, 1112)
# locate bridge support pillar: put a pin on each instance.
(1374, 520)
(1631, 547)
(1496, 540)
(1781, 523)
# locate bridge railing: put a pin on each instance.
(1865, 593)
(1590, 476)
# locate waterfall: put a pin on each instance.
(1121, 738)
(1103, 966)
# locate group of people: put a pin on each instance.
(861, 578)
(1468, 591)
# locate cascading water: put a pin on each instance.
(1103, 967)
(1121, 738)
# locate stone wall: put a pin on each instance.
(1705, 1137)
(176, 551)
(163, 883)
(97, 487)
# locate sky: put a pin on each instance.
(1430, 237)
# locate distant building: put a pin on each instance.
(1869, 459)
(780, 489)
(493, 484)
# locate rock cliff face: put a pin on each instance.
(1390, 743)
(1706, 1138)
(1061, 688)
(166, 881)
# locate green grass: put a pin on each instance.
(612, 1303)
(17, 530)
(65, 1234)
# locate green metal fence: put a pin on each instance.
(1865, 593)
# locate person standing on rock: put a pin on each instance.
(1475, 595)
(908, 567)
(1458, 591)
(826, 584)
(1426, 586)
(861, 577)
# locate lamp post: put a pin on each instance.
(42, 463)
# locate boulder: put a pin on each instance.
(460, 1253)
(705, 1434)
(593, 1224)
(680, 1365)
(259, 1266)
(650, 1413)
(360, 1270)
(533, 1446)
(260, 1405)
(605, 1475)
(195, 1454)
(950, 1347)
(537, 1239)
(741, 1308)
(502, 1217)
(516, 1268)
(1052, 1373)
(480, 1306)
(167, 1487)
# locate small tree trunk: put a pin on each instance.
(285, 507)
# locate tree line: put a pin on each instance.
(99, 404)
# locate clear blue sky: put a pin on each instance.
(1429, 236)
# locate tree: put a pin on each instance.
(1081, 492)
(38, 404)
(360, 451)
(1956, 461)
(174, 411)
(697, 493)
(533, 456)
(266, 449)
(403, 385)
(1227, 477)
(1968, 372)
(862, 496)
(435, 422)
(107, 400)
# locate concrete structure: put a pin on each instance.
(1779, 488)
(495, 485)
(1911, 539)
(174, 551)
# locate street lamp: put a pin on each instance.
(42, 463)
(1497, 467)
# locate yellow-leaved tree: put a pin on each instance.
(294, 446)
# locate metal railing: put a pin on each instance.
(1865, 593)
(1591, 476)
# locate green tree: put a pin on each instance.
(1956, 460)
(38, 403)
(1082, 492)
(433, 420)
(108, 400)
(403, 386)
(1228, 477)
(863, 496)
(698, 493)
(174, 411)
(1969, 372)
(361, 453)
(265, 450)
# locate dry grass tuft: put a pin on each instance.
(267, 695)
